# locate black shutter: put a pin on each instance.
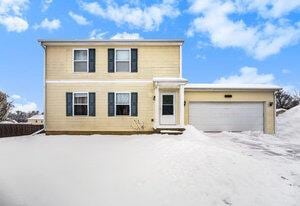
(134, 60)
(111, 104)
(92, 104)
(69, 104)
(111, 60)
(134, 104)
(92, 60)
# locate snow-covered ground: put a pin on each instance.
(190, 169)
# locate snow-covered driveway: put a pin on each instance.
(190, 169)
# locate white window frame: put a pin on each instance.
(87, 60)
(129, 61)
(88, 103)
(129, 93)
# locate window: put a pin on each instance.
(80, 60)
(122, 60)
(168, 105)
(80, 103)
(122, 103)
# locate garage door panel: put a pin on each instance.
(226, 116)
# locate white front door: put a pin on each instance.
(167, 109)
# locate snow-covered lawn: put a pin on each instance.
(190, 169)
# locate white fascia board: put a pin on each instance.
(96, 81)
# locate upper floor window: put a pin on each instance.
(80, 60)
(122, 60)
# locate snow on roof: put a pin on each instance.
(232, 87)
(39, 116)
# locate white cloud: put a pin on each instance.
(147, 17)
(260, 40)
(285, 71)
(11, 15)
(247, 75)
(48, 24)
(81, 20)
(22, 104)
(126, 35)
(15, 96)
(271, 8)
(46, 4)
(200, 56)
(27, 107)
(97, 34)
(14, 23)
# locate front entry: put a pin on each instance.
(167, 109)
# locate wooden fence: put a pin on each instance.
(9, 130)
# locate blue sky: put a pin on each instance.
(248, 41)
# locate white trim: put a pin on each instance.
(224, 87)
(45, 90)
(156, 107)
(181, 105)
(180, 62)
(73, 96)
(155, 42)
(87, 60)
(97, 81)
(129, 93)
(129, 59)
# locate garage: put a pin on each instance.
(227, 116)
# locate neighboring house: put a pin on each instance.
(36, 119)
(129, 86)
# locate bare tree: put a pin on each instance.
(286, 100)
(5, 106)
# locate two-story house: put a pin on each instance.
(130, 86)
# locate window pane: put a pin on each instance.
(80, 98)
(80, 109)
(80, 66)
(122, 99)
(167, 110)
(122, 67)
(122, 55)
(80, 55)
(167, 99)
(122, 109)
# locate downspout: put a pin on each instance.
(45, 50)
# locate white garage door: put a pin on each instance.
(231, 116)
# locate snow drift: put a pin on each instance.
(288, 124)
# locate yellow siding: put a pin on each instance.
(254, 96)
(56, 119)
(153, 61)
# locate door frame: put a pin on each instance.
(161, 108)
